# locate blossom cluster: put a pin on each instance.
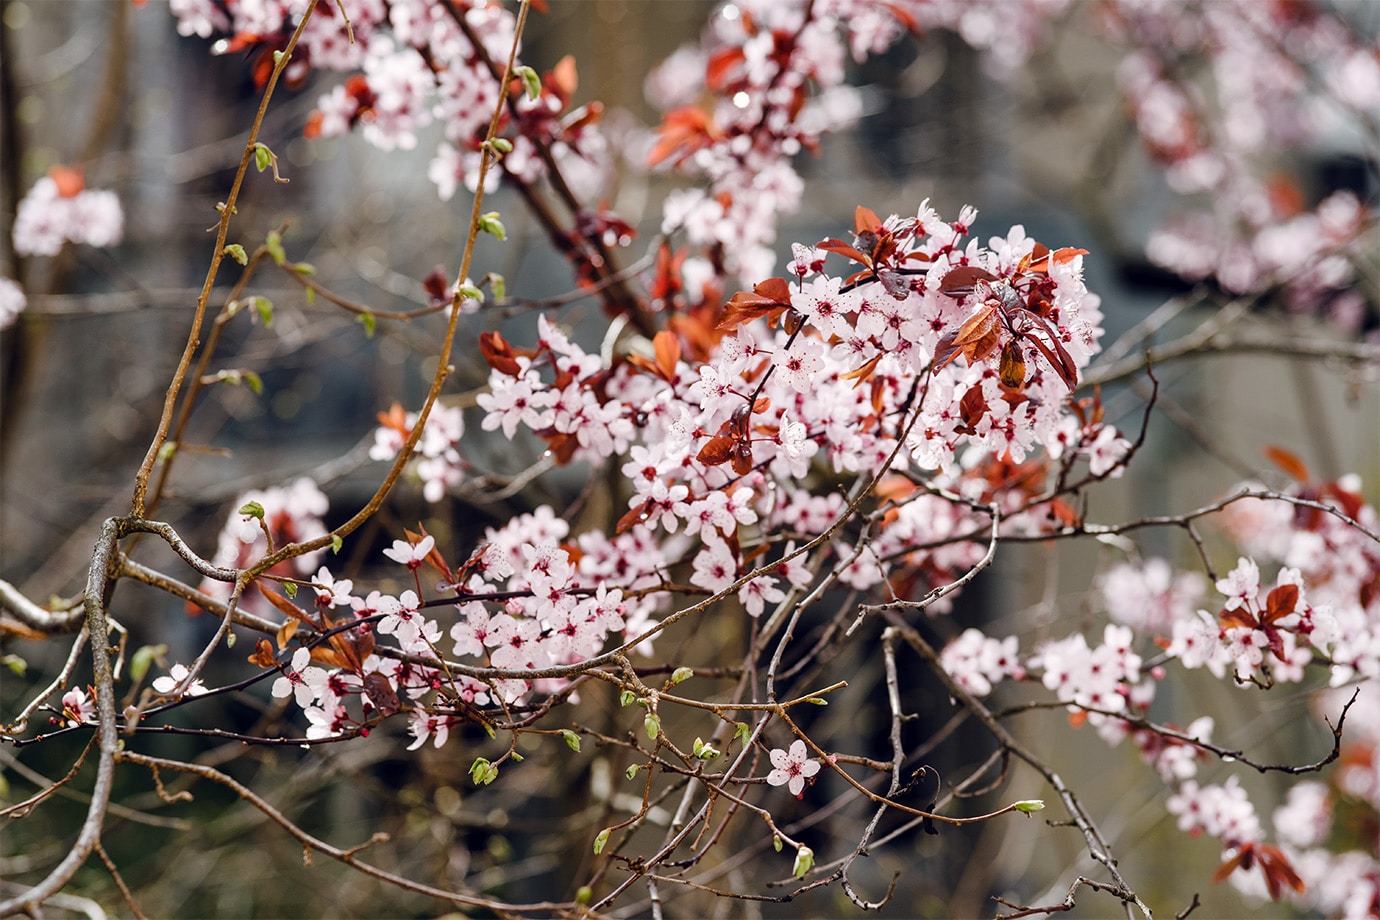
(940, 361)
(438, 464)
(947, 360)
(60, 209)
(285, 514)
(1281, 75)
(1322, 610)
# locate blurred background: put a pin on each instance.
(161, 121)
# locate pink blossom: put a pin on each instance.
(412, 555)
(792, 767)
(424, 726)
(303, 681)
(800, 363)
(12, 302)
(175, 676)
(715, 566)
(78, 706)
(49, 216)
(514, 400)
(329, 591)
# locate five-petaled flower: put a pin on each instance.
(175, 676)
(792, 767)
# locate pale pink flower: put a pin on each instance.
(176, 675)
(793, 767)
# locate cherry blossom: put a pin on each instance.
(12, 302)
(977, 661)
(292, 513)
(78, 706)
(792, 767)
(301, 680)
(175, 676)
(59, 209)
(412, 555)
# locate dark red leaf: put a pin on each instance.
(959, 282)
(718, 450)
(635, 515)
(381, 693)
(498, 353)
(973, 405)
(1281, 602)
(742, 457)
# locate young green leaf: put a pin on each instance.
(274, 244)
(531, 83)
(491, 223)
(572, 740)
(264, 308)
(804, 861)
(142, 658)
(498, 284)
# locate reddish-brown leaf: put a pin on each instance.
(973, 406)
(284, 605)
(636, 515)
(1040, 258)
(843, 249)
(565, 77)
(959, 282)
(395, 418)
(342, 652)
(866, 221)
(667, 347)
(1280, 602)
(717, 450)
(562, 446)
(682, 132)
(977, 327)
(742, 457)
(777, 289)
(434, 557)
(381, 693)
(863, 373)
(263, 654)
(1289, 462)
(286, 632)
(498, 353)
(1278, 871)
(765, 297)
(1058, 358)
(1012, 364)
(721, 66)
(1238, 616)
(68, 179)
